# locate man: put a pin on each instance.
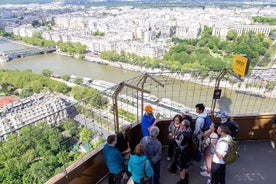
(114, 160)
(185, 114)
(153, 150)
(232, 125)
(200, 121)
(218, 167)
(148, 120)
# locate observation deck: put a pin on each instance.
(123, 108)
(254, 114)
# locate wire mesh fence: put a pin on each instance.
(45, 134)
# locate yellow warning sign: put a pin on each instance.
(241, 64)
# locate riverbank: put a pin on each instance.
(238, 86)
(184, 76)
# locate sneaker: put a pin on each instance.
(203, 167)
(204, 173)
(209, 181)
(169, 158)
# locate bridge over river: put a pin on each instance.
(7, 55)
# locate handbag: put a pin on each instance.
(145, 179)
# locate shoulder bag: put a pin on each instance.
(145, 179)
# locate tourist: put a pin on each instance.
(153, 150)
(173, 132)
(210, 138)
(200, 121)
(113, 160)
(139, 166)
(226, 119)
(184, 156)
(184, 129)
(218, 167)
(148, 120)
(123, 146)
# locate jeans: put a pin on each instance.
(156, 170)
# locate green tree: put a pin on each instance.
(47, 72)
(78, 80)
(65, 77)
(71, 127)
(232, 35)
(85, 134)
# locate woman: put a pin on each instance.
(139, 166)
(174, 130)
(185, 154)
(184, 129)
(210, 138)
(123, 146)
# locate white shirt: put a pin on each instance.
(221, 148)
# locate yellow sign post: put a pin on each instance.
(241, 64)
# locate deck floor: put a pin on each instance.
(256, 165)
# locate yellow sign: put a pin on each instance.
(241, 64)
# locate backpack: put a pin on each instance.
(232, 154)
(207, 124)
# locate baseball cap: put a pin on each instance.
(148, 108)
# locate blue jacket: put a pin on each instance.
(113, 159)
(147, 121)
(136, 167)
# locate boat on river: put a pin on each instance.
(172, 105)
(148, 97)
(102, 85)
(4, 58)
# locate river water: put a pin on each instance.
(59, 64)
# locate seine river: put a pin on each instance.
(59, 64)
